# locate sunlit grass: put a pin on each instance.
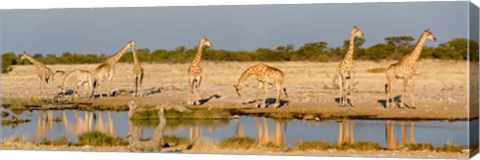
(96, 138)
(237, 143)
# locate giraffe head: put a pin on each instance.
(237, 89)
(131, 44)
(23, 55)
(357, 32)
(204, 41)
(429, 35)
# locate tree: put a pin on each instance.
(310, 50)
(358, 42)
(400, 42)
(378, 52)
(8, 59)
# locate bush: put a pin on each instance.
(450, 148)
(96, 138)
(315, 145)
(237, 143)
(377, 70)
(175, 141)
(394, 48)
(58, 142)
(202, 113)
(8, 59)
(420, 146)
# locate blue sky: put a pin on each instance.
(105, 30)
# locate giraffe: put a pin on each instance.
(278, 138)
(45, 74)
(137, 75)
(411, 140)
(239, 130)
(346, 132)
(106, 69)
(82, 77)
(265, 75)
(405, 69)
(195, 72)
(390, 137)
(345, 69)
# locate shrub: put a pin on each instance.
(376, 70)
(175, 141)
(8, 59)
(58, 142)
(237, 142)
(450, 148)
(420, 146)
(96, 138)
(315, 145)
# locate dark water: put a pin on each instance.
(264, 130)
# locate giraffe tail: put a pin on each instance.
(285, 91)
(61, 72)
(386, 88)
(95, 83)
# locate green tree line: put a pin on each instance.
(394, 47)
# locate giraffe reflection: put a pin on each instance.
(239, 130)
(44, 124)
(391, 139)
(86, 123)
(195, 133)
(264, 137)
(346, 132)
(155, 143)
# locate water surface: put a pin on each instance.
(264, 130)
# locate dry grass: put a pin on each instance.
(96, 138)
(420, 147)
(237, 143)
(62, 141)
(376, 70)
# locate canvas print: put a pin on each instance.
(358, 79)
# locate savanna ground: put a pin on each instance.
(441, 88)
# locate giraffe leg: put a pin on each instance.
(389, 90)
(197, 90)
(412, 96)
(350, 89)
(340, 87)
(141, 85)
(190, 86)
(404, 90)
(265, 89)
(347, 91)
(110, 77)
(135, 92)
(343, 96)
(257, 98)
(279, 91)
(412, 132)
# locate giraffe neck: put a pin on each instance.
(415, 54)
(198, 57)
(34, 62)
(135, 59)
(244, 76)
(351, 46)
(114, 58)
